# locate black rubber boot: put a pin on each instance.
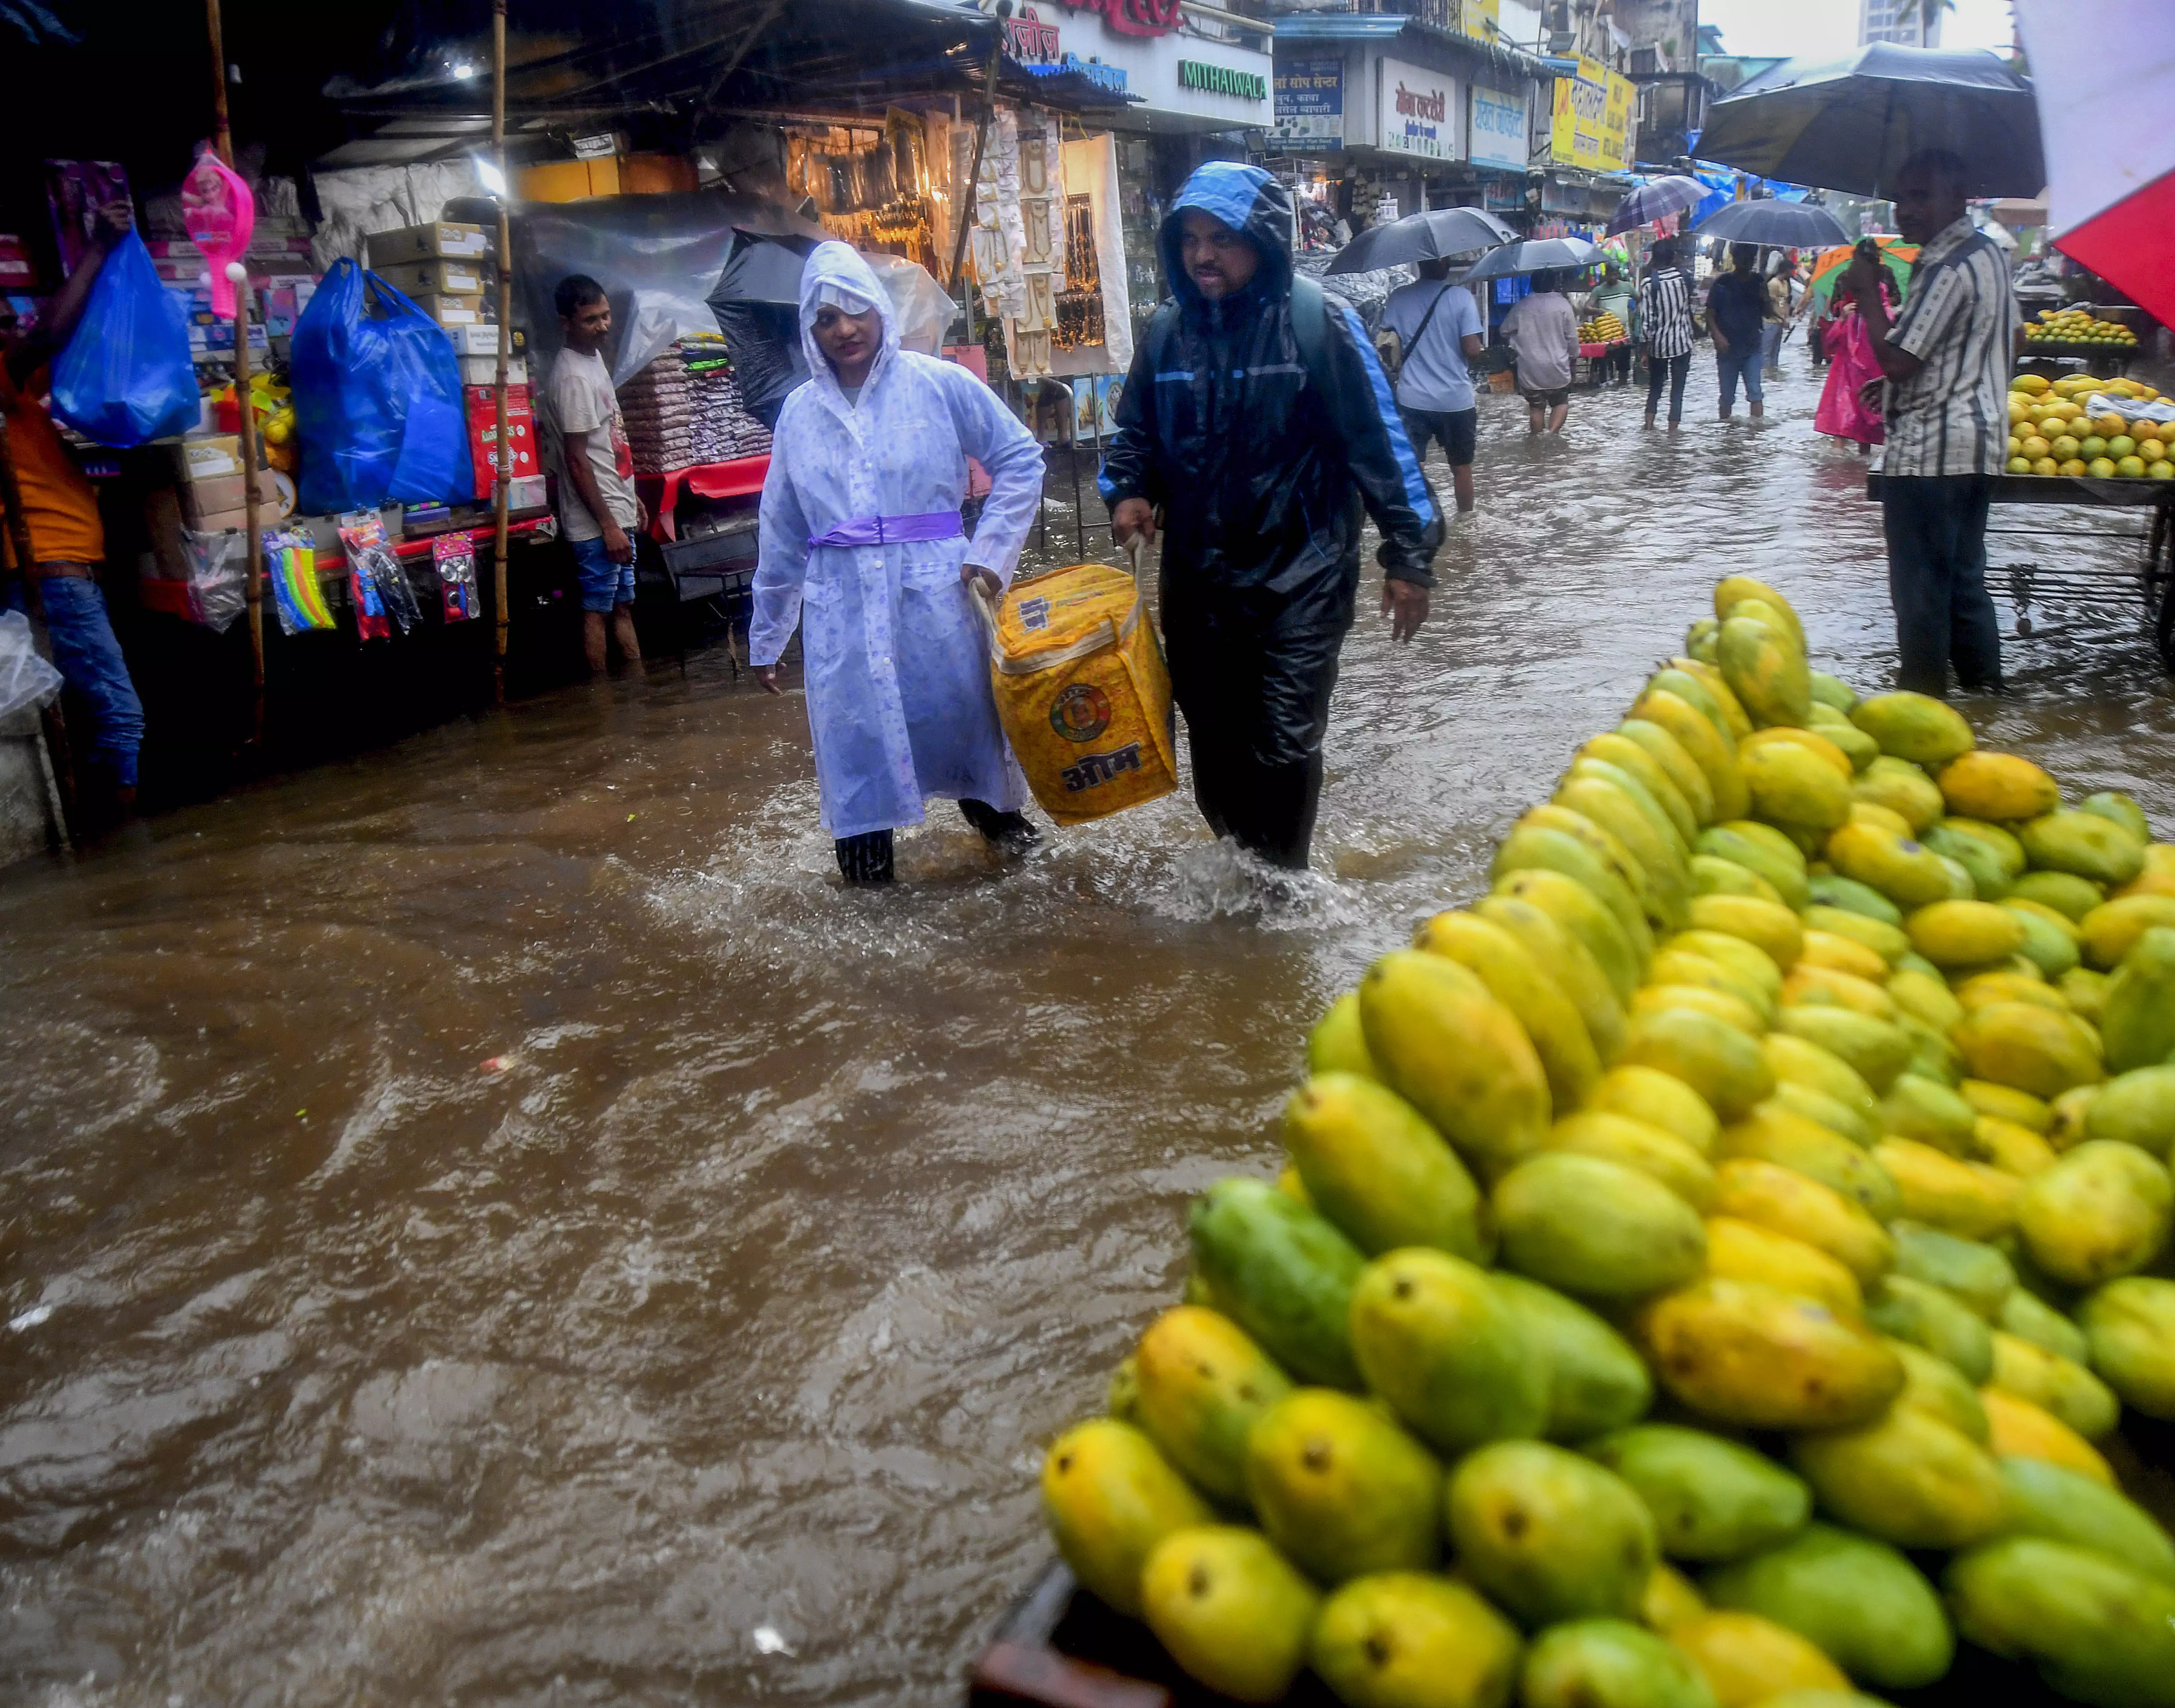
(1012, 831)
(865, 859)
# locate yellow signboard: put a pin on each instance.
(1592, 125)
(1482, 20)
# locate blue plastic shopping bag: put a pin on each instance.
(377, 400)
(126, 377)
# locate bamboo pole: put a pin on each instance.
(502, 488)
(254, 587)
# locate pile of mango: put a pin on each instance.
(1707, 1261)
(1604, 328)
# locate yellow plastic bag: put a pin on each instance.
(1082, 692)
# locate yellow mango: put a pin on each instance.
(1715, 1059)
(1774, 930)
(1710, 677)
(1230, 1610)
(1738, 1250)
(2013, 1149)
(1996, 787)
(1746, 1659)
(1370, 1162)
(2068, 1114)
(1968, 1200)
(1813, 740)
(1791, 784)
(1617, 749)
(1766, 669)
(1924, 997)
(1800, 1061)
(1635, 1144)
(1699, 739)
(1338, 1044)
(1879, 1050)
(1567, 960)
(1842, 989)
(1661, 1100)
(2007, 1103)
(1981, 990)
(1844, 954)
(1631, 893)
(1733, 1011)
(2059, 1386)
(1907, 873)
(1747, 960)
(1647, 842)
(1837, 1116)
(2016, 1426)
(1518, 982)
(1964, 934)
(1583, 916)
(1908, 1477)
(1914, 727)
(1408, 1638)
(1776, 1134)
(1668, 752)
(2157, 875)
(1903, 788)
(1786, 1202)
(1200, 1381)
(1741, 1354)
(2029, 1047)
(2111, 931)
(1670, 1600)
(2102, 1211)
(1880, 817)
(1109, 1498)
(1732, 590)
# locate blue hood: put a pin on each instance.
(1249, 202)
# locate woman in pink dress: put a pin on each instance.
(1843, 412)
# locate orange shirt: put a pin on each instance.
(56, 499)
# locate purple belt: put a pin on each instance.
(890, 530)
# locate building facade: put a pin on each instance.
(1908, 23)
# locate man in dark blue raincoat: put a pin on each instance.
(1257, 419)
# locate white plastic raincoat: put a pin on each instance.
(897, 661)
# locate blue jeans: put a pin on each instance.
(1739, 359)
(604, 582)
(89, 658)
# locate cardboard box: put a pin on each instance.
(212, 457)
(436, 276)
(483, 434)
(529, 492)
(482, 339)
(442, 239)
(448, 309)
(223, 493)
(483, 370)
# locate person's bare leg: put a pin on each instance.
(593, 641)
(1556, 417)
(1536, 417)
(630, 647)
(1461, 481)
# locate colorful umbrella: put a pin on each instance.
(2098, 66)
(1898, 255)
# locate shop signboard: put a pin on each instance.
(1309, 105)
(1031, 39)
(1133, 17)
(1222, 79)
(1496, 133)
(1591, 122)
(1481, 20)
(1416, 112)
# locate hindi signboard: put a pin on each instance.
(1416, 112)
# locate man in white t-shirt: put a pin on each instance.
(1439, 328)
(598, 512)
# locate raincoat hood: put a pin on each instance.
(833, 270)
(1249, 202)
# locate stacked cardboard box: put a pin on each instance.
(211, 485)
(483, 434)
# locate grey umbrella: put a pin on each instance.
(1849, 124)
(1535, 255)
(1655, 200)
(1777, 224)
(1434, 236)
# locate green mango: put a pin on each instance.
(1976, 1273)
(1859, 1601)
(1597, 1229)
(1628, 779)
(1406, 1640)
(1568, 961)
(1596, 1381)
(1198, 1384)
(1800, 1061)
(1121, 1397)
(2137, 1021)
(1937, 1386)
(2066, 892)
(2130, 1327)
(1549, 1536)
(1877, 1049)
(1583, 916)
(1832, 691)
(1856, 746)
(2103, 1209)
(2118, 808)
(1990, 881)
(2064, 1506)
(1609, 1663)
(1541, 846)
(1688, 688)
(1795, 1141)
(2099, 1632)
(1927, 1110)
(1711, 1498)
(1830, 1112)
(1283, 1272)
(1911, 961)
(2137, 1107)
(1935, 1319)
(1782, 868)
(1340, 1488)
(2058, 1385)
(2083, 844)
(2047, 945)
(2027, 1316)
(1914, 727)
(1230, 1610)
(1908, 1477)
(1848, 896)
(1683, 766)
(1110, 1498)
(1700, 639)
(1338, 1043)
(1373, 1166)
(1435, 1339)
(1712, 875)
(1715, 1058)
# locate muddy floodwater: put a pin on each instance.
(494, 1222)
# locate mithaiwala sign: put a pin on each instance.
(1416, 113)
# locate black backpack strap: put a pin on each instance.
(1311, 330)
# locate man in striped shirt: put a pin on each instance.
(1665, 319)
(1946, 359)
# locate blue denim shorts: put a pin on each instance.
(604, 582)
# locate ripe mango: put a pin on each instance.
(1753, 965)
(2027, 1316)
(1908, 1477)
(2137, 1107)
(1595, 1381)
(2028, 1046)
(1712, 875)
(1568, 1057)
(1675, 968)
(2111, 931)
(1549, 1535)
(2007, 1103)
(1832, 890)
(1965, 934)
(2067, 894)
(1740, 1250)
(1789, 784)
(2130, 1327)
(1199, 1383)
(1833, 690)
(1935, 1319)
(1609, 1663)
(1901, 787)
(1661, 1100)
(1596, 1228)
(1732, 590)
(1230, 1610)
(1338, 1043)
(1815, 985)
(1996, 786)
(2138, 1020)
(1715, 1059)
(2018, 1428)
(2083, 844)
(1914, 727)
(1608, 868)
(1109, 1498)
(1800, 1061)
(1861, 1602)
(2006, 850)
(1831, 1113)
(2118, 808)
(1585, 766)
(2011, 983)
(1766, 669)
(2064, 1506)
(2098, 1631)
(2065, 1130)
(1666, 890)
(1711, 1498)
(2102, 1211)
(1671, 1600)
(1341, 1489)
(2052, 943)
(1978, 1274)
(1435, 1339)
(1777, 1135)
(1370, 1162)
(1614, 748)
(1746, 1659)
(1768, 851)
(1744, 1354)
(1843, 954)
(1989, 882)
(1813, 741)
(1877, 1049)
(1855, 745)
(1457, 1054)
(1582, 915)
(2056, 1384)
(1925, 1109)
(1775, 930)
(2087, 993)
(1932, 1384)
(1569, 961)
(1282, 1273)
(1694, 692)
(1908, 873)
(1702, 742)
(1621, 1139)
(1968, 1200)
(1670, 754)
(2158, 877)
(1409, 1640)
(1787, 1202)
(1731, 1011)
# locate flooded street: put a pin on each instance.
(741, 1289)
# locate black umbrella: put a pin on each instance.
(1777, 224)
(1535, 255)
(1434, 236)
(1849, 124)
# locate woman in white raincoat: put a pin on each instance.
(862, 543)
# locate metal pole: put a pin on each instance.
(502, 492)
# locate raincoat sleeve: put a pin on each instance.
(996, 438)
(1129, 462)
(1365, 417)
(782, 561)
